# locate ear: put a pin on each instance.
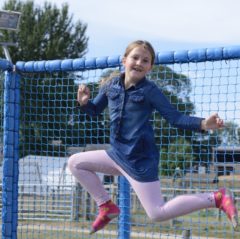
(124, 60)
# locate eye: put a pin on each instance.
(135, 58)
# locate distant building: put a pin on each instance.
(226, 160)
(41, 174)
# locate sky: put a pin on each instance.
(167, 24)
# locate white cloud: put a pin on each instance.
(214, 21)
(186, 20)
(113, 23)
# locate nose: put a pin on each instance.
(139, 62)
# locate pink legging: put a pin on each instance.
(85, 165)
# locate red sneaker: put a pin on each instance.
(107, 212)
(225, 201)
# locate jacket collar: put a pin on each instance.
(137, 86)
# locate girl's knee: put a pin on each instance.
(77, 161)
(157, 215)
(154, 217)
(71, 162)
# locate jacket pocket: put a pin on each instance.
(112, 94)
(137, 98)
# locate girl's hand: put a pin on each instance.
(212, 122)
(83, 95)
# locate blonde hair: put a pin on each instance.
(129, 48)
(138, 43)
(106, 79)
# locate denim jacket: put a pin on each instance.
(131, 132)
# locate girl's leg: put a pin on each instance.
(151, 199)
(84, 166)
(150, 194)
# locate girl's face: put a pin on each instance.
(137, 63)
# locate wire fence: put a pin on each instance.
(42, 127)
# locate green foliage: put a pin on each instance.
(175, 145)
(177, 154)
(45, 33)
(175, 86)
(50, 115)
(48, 102)
(93, 128)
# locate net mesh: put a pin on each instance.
(51, 204)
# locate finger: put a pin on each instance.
(80, 92)
(82, 87)
(87, 90)
(220, 122)
(215, 115)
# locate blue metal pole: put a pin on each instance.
(10, 155)
(124, 228)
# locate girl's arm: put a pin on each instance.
(171, 114)
(180, 120)
(91, 107)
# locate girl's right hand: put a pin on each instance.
(83, 95)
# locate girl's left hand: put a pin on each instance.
(212, 122)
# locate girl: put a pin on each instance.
(131, 99)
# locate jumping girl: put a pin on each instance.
(131, 99)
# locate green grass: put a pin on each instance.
(203, 224)
(198, 223)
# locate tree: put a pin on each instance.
(47, 99)
(178, 154)
(203, 145)
(176, 87)
(45, 33)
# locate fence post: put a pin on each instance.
(22, 199)
(10, 155)
(34, 197)
(46, 198)
(124, 204)
(186, 234)
(77, 197)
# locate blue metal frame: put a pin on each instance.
(11, 121)
(10, 152)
